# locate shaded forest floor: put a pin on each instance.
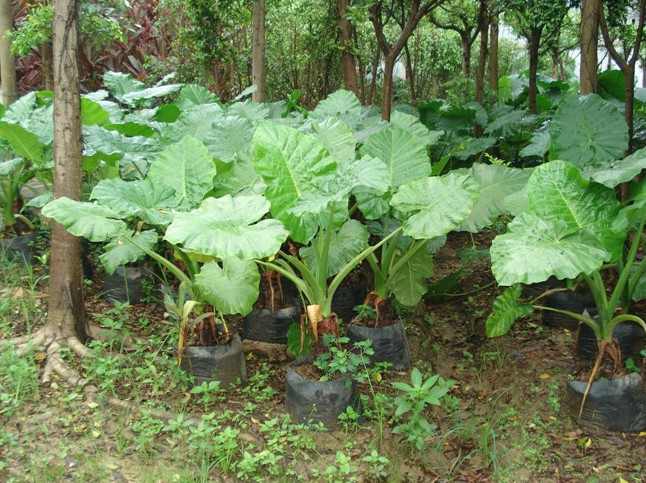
(504, 419)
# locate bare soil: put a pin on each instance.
(506, 419)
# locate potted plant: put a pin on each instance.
(309, 189)
(213, 240)
(577, 228)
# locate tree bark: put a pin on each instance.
(66, 311)
(483, 27)
(387, 86)
(46, 58)
(534, 43)
(410, 71)
(493, 57)
(7, 59)
(466, 54)
(589, 39)
(258, 72)
(346, 39)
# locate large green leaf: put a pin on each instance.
(496, 183)
(132, 149)
(436, 205)
(226, 227)
(538, 146)
(11, 165)
(337, 137)
(187, 167)
(95, 222)
(372, 205)
(197, 123)
(292, 164)
(339, 102)
(93, 113)
(409, 283)
(193, 95)
(405, 156)
(238, 177)
(137, 97)
(231, 288)
(588, 130)
(618, 171)
(413, 125)
(557, 192)
(229, 138)
(24, 143)
(120, 250)
(505, 311)
(150, 201)
(533, 250)
(121, 84)
(345, 244)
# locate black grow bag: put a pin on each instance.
(629, 335)
(125, 286)
(224, 363)
(575, 302)
(320, 401)
(347, 297)
(20, 248)
(265, 325)
(389, 343)
(617, 405)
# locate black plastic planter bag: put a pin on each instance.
(20, 248)
(617, 405)
(389, 343)
(128, 288)
(346, 298)
(224, 363)
(320, 401)
(575, 302)
(629, 335)
(266, 326)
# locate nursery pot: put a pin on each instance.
(629, 335)
(616, 405)
(389, 343)
(125, 284)
(347, 297)
(575, 302)
(320, 401)
(224, 363)
(20, 248)
(265, 325)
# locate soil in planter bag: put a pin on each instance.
(20, 248)
(616, 405)
(266, 326)
(320, 401)
(224, 363)
(389, 343)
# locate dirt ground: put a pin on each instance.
(505, 420)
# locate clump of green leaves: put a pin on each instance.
(344, 360)
(413, 401)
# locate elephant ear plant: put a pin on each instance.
(574, 228)
(215, 239)
(309, 185)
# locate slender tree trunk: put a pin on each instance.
(373, 81)
(483, 27)
(348, 60)
(258, 72)
(362, 74)
(46, 57)
(465, 41)
(643, 64)
(66, 310)
(410, 71)
(534, 42)
(7, 60)
(387, 86)
(629, 103)
(493, 57)
(589, 41)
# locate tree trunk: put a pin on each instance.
(46, 57)
(373, 81)
(465, 39)
(493, 57)
(387, 86)
(643, 73)
(534, 42)
(7, 59)
(629, 103)
(258, 72)
(348, 60)
(589, 42)
(66, 310)
(410, 71)
(483, 27)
